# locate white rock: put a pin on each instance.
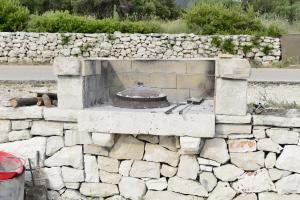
(267, 144)
(203, 161)
(208, 180)
(158, 153)
(91, 169)
(72, 175)
(289, 184)
(72, 195)
(259, 134)
(53, 195)
(73, 186)
(125, 167)
(241, 145)
(67, 156)
(184, 186)
(127, 147)
(275, 196)
(227, 129)
(168, 142)
(233, 119)
(157, 184)
(54, 144)
(107, 177)
(20, 124)
(164, 195)
(103, 139)
(29, 112)
(19, 135)
(240, 136)
(246, 197)
(190, 145)
(3, 137)
(249, 160)
(5, 125)
(168, 171)
(149, 138)
(215, 149)
(62, 115)
(143, 169)
(283, 136)
(98, 189)
(234, 68)
(278, 121)
(277, 174)
(108, 164)
(289, 159)
(115, 197)
(222, 191)
(70, 126)
(228, 172)
(54, 178)
(270, 160)
(132, 188)
(188, 167)
(74, 137)
(254, 182)
(95, 150)
(45, 128)
(67, 66)
(205, 168)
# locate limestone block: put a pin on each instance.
(259, 134)
(103, 139)
(289, 159)
(227, 129)
(29, 112)
(108, 164)
(72, 175)
(67, 156)
(45, 128)
(205, 168)
(72, 194)
(125, 167)
(190, 145)
(231, 97)
(63, 115)
(266, 144)
(249, 160)
(95, 150)
(246, 197)
(157, 195)
(63, 66)
(149, 138)
(270, 160)
(19, 135)
(168, 142)
(233, 68)
(132, 188)
(240, 136)
(5, 125)
(70, 126)
(188, 167)
(162, 66)
(283, 136)
(143, 169)
(215, 149)
(162, 80)
(200, 66)
(222, 191)
(158, 153)
(73, 137)
(203, 161)
(127, 147)
(254, 182)
(117, 66)
(98, 189)
(54, 143)
(279, 121)
(91, 169)
(168, 171)
(54, 178)
(275, 196)
(242, 145)
(192, 81)
(3, 137)
(184, 186)
(233, 119)
(91, 67)
(157, 184)
(208, 180)
(228, 172)
(111, 178)
(20, 124)
(74, 186)
(276, 174)
(288, 184)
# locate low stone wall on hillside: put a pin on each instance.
(23, 47)
(251, 157)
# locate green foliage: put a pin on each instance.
(285, 62)
(228, 46)
(65, 39)
(64, 22)
(84, 48)
(13, 16)
(247, 49)
(267, 49)
(216, 41)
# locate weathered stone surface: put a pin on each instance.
(158, 153)
(73, 186)
(19, 135)
(72, 175)
(248, 161)
(103, 139)
(143, 169)
(215, 149)
(5, 125)
(275, 196)
(228, 172)
(184, 186)
(246, 197)
(190, 145)
(289, 184)
(161, 195)
(269, 120)
(98, 189)
(208, 180)
(70, 126)
(149, 138)
(26, 149)
(242, 145)
(132, 188)
(29, 112)
(20, 124)
(277, 174)
(127, 147)
(233, 68)
(240, 136)
(54, 144)
(205, 168)
(115, 197)
(107, 177)
(222, 191)
(289, 159)
(67, 156)
(168, 142)
(283, 136)
(267, 144)
(45, 128)
(157, 184)
(95, 150)
(91, 169)
(254, 182)
(233, 119)
(108, 164)
(270, 160)
(168, 171)
(259, 134)
(74, 137)
(125, 167)
(72, 194)
(53, 195)
(67, 66)
(3, 137)
(203, 161)
(188, 167)
(54, 177)
(223, 130)
(62, 115)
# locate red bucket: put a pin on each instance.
(10, 166)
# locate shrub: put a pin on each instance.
(13, 16)
(63, 22)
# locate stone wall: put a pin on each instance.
(23, 47)
(251, 157)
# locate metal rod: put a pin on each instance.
(173, 108)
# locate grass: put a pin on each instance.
(282, 24)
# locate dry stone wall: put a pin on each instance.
(21, 47)
(251, 157)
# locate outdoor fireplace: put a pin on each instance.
(151, 96)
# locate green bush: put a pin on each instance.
(63, 22)
(210, 19)
(13, 17)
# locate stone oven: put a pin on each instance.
(91, 85)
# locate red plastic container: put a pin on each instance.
(10, 166)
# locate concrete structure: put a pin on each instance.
(290, 46)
